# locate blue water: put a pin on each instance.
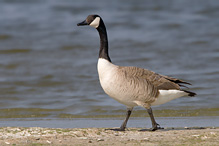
(47, 62)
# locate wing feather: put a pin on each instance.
(161, 82)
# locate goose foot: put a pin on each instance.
(156, 127)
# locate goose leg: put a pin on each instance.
(155, 126)
(123, 126)
(128, 113)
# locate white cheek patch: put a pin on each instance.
(96, 22)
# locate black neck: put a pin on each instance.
(103, 53)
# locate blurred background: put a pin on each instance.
(48, 64)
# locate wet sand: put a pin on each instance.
(138, 122)
(101, 136)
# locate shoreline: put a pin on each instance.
(138, 122)
(100, 136)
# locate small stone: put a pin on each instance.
(204, 137)
(18, 129)
(7, 142)
(212, 133)
(116, 134)
(83, 138)
(37, 138)
(89, 141)
(100, 139)
(146, 139)
(195, 135)
(48, 141)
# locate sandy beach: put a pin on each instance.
(101, 136)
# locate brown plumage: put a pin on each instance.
(157, 81)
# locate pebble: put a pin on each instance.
(18, 129)
(146, 139)
(7, 142)
(48, 141)
(212, 133)
(100, 139)
(204, 137)
(83, 138)
(195, 135)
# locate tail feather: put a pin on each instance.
(177, 81)
(190, 93)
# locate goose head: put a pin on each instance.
(97, 22)
(92, 20)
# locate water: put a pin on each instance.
(48, 64)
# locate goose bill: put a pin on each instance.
(82, 23)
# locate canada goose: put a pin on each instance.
(133, 86)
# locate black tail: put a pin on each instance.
(189, 93)
(177, 81)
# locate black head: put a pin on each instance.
(92, 20)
